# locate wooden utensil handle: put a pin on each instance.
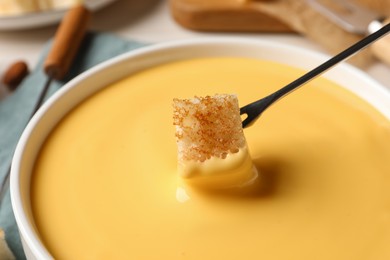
(381, 48)
(67, 41)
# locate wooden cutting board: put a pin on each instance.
(272, 16)
(225, 15)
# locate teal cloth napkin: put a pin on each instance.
(16, 109)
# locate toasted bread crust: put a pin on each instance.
(207, 127)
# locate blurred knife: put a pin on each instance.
(356, 19)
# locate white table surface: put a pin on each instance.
(142, 20)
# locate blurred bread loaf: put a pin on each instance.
(17, 7)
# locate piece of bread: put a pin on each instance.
(207, 127)
(15, 7)
(212, 149)
(18, 7)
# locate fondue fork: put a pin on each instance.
(66, 43)
(255, 109)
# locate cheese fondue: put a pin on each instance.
(105, 184)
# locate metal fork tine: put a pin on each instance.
(248, 120)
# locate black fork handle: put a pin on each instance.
(254, 109)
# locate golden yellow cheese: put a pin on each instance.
(105, 184)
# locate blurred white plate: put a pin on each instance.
(38, 19)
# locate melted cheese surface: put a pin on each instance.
(236, 170)
(105, 184)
